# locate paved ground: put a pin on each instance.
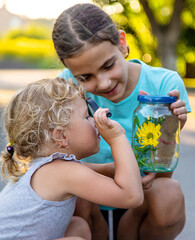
(11, 80)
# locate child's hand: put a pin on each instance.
(108, 129)
(179, 107)
(147, 180)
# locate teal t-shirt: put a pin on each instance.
(153, 80)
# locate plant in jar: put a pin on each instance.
(156, 133)
(146, 141)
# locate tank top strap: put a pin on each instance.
(38, 162)
(64, 156)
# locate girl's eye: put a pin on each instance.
(110, 65)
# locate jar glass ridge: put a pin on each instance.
(156, 132)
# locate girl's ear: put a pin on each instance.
(123, 43)
(59, 136)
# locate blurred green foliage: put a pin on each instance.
(31, 31)
(131, 17)
(31, 46)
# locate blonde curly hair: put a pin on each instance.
(30, 118)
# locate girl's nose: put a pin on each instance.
(103, 82)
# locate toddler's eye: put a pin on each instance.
(88, 117)
(82, 78)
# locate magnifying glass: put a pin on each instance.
(92, 106)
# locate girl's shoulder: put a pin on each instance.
(50, 180)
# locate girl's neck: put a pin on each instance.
(49, 148)
(134, 70)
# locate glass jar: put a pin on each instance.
(156, 132)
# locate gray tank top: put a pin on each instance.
(26, 216)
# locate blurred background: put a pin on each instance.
(160, 33)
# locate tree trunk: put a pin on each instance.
(167, 55)
(167, 48)
(167, 35)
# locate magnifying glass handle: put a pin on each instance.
(95, 107)
(108, 114)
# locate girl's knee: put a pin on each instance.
(166, 203)
(166, 190)
(173, 192)
(78, 227)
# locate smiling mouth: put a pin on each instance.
(113, 91)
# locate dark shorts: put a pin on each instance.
(117, 214)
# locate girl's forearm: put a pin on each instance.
(107, 169)
(127, 174)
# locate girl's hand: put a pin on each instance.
(108, 129)
(142, 92)
(147, 180)
(179, 107)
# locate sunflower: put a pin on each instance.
(148, 134)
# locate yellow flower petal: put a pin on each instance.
(148, 134)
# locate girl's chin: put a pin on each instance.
(92, 153)
(97, 150)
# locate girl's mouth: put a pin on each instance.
(113, 91)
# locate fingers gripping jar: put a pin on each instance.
(156, 132)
